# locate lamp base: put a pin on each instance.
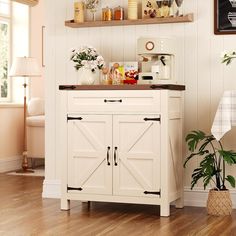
(25, 169)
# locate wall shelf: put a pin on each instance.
(180, 19)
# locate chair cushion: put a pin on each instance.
(35, 121)
(36, 107)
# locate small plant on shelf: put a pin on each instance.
(92, 6)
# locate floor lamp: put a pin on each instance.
(25, 67)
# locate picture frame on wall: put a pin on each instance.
(225, 16)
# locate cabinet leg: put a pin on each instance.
(65, 204)
(179, 203)
(165, 210)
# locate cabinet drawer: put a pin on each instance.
(142, 101)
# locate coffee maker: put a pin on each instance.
(157, 61)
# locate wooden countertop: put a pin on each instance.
(123, 87)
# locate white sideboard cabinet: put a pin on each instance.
(122, 145)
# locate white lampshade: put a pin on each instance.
(25, 67)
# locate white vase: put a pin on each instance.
(86, 76)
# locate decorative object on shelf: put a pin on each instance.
(228, 57)
(92, 6)
(87, 62)
(212, 168)
(117, 74)
(119, 13)
(78, 12)
(224, 16)
(161, 8)
(107, 14)
(132, 10)
(179, 11)
(25, 67)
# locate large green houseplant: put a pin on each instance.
(213, 160)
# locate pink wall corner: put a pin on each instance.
(36, 47)
(11, 131)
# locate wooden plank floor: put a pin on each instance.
(23, 212)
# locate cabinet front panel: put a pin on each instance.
(104, 101)
(89, 151)
(137, 140)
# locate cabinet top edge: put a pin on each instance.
(124, 87)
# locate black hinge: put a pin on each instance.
(152, 119)
(152, 193)
(77, 189)
(65, 87)
(74, 118)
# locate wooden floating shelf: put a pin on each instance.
(166, 20)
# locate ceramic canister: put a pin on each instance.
(132, 9)
(79, 12)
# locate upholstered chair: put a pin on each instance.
(35, 123)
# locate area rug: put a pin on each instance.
(37, 172)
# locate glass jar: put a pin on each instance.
(105, 79)
(119, 13)
(106, 14)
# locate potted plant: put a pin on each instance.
(212, 168)
(87, 61)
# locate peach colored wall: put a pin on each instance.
(11, 131)
(36, 23)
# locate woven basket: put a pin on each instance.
(219, 203)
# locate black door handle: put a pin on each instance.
(115, 156)
(107, 100)
(108, 156)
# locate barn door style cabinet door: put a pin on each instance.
(122, 146)
(114, 154)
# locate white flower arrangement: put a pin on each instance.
(228, 57)
(88, 58)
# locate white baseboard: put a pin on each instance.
(10, 163)
(51, 189)
(196, 197)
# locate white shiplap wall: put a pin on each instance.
(199, 66)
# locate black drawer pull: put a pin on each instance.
(152, 119)
(153, 193)
(120, 100)
(74, 118)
